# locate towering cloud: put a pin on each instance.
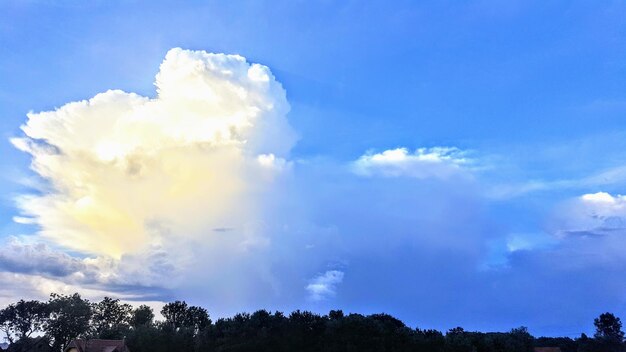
(128, 172)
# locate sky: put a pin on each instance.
(452, 163)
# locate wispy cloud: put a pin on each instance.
(608, 177)
(324, 286)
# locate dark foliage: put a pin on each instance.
(69, 317)
(142, 316)
(189, 328)
(110, 319)
(21, 319)
(566, 344)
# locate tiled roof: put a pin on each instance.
(98, 345)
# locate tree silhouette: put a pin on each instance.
(142, 316)
(175, 314)
(188, 328)
(21, 319)
(608, 327)
(110, 318)
(609, 335)
(69, 318)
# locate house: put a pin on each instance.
(82, 345)
(547, 349)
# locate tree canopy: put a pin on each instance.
(189, 328)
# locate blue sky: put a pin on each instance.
(503, 209)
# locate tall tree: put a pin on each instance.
(110, 318)
(23, 318)
(175, 314)
(142, 316)
(197, 319)
(608, 327)
(609, 336)
(69, 317)
(179, 315)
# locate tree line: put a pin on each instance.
(189, 328)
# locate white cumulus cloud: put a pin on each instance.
(437, 162)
